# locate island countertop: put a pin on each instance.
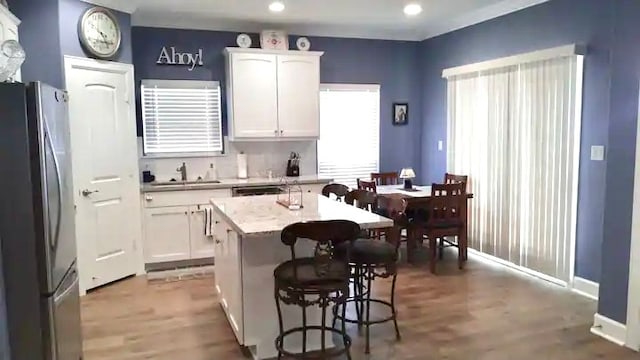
(261, 215)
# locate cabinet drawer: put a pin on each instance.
(182, 198)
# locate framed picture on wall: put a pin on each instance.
(400, 114)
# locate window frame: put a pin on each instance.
(353, 87)
(196, 84)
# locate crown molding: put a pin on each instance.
(176, 20)
(125, 6)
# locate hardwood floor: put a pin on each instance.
(482, 313)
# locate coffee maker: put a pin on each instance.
(293, 164)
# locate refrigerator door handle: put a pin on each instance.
(54, 243)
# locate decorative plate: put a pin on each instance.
(244, 41)
(303, 44)
(274, 40)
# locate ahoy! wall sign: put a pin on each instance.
(169, 56)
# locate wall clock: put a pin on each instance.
(100, 33)
(274, 40)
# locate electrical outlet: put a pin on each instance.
(597, 152)
(440, 145)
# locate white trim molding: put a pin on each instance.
(125, 6)
(585, 288)
(609, 329)
(492, 260)
(633, 299)
(519, 59)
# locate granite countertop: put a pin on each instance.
(229, 183)
(262, 216)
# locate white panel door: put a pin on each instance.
(298, 95)
(104, 160)
(201, 246)
(254, 91)
(166, 234)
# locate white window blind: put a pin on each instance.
(349, 145)
(181, 116)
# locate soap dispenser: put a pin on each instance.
(211, 174)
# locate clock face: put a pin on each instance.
(100, 33)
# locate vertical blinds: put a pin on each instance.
(349, 145)
(181, 116)
(516, 132)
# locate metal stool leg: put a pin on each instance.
(393, 305)
(345, 338)
(367, 349)
(279, 321)
(304, 328)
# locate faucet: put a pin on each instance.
(183, 171)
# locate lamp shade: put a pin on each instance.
(407, 173)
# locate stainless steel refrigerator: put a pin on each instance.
(39, 295)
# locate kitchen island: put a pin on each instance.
(247, 250)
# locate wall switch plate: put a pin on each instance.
(597, 152)
(440, 144)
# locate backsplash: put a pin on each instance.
(262, 158)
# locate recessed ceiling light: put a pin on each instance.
(276, 6)
(413, 9)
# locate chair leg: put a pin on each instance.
(461, 250)
(367, 348)
(433, 253)
(441, 249)
(393, 305)
(344, 329)
(280, 324)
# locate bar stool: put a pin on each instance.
(338, 190)
(319, 280)
(370, 259)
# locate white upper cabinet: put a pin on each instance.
(8, 28)
(298, 96)
(272, 94)
(253, 91)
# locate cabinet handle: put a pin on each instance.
(186, 213)
(217, 222)
(228, 231)
(275, 131)
(281, 132)
(218, 241)
(148, 198)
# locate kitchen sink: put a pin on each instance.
(181, 183)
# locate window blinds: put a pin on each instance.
(181, 116)
(349, 145)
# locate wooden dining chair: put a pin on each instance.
(338, 190)
(454, 179)
(368, 185)
(444, 217)
(365, 200)
(387, 178)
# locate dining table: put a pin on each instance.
(420, 193)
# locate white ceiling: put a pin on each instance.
(377, 19)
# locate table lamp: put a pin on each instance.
(407, 174)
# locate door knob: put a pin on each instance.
(86, 192)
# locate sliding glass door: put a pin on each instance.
(515, 131)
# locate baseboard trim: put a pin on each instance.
(609, 329)
(586, 288)
(492, 260)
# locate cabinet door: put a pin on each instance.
(298, 95)
(220, 256)
(234, 298)
(254, 91)
(201, 246)
(166, 235)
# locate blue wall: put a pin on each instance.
(49, 30)
(623, 118)
(70, 13)
(392, 64)
(609, 29)
(40, 38)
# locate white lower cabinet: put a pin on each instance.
(228, 275)
(166, 234)
(174, 229)
(202, 246)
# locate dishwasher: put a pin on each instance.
(256, 190)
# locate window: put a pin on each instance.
(349, 145)
(181, 117)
